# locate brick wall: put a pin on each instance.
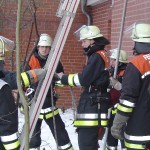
(107, 16)
(136, 11)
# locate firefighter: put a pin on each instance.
(115, 89)
(132, 121)
(94, 78)
(38, 60)
(8, 108)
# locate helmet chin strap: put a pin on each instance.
(88, 48)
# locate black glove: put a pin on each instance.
(29, 94)
(57, 90)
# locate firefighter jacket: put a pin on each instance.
(94, 79)
(8, 118)
(37, 62)
(135, 102)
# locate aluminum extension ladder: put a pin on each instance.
(67, 10)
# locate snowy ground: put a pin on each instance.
(48, 141)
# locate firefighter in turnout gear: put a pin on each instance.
(8, 108)
(132, 121)
(93, 104)
(115, 89)
(38, 60)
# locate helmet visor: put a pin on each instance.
(128, 32)
(113, 53)
(77, 33)
(6, 45)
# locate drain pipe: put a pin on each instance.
(85, 12)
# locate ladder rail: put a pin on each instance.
(63, 6)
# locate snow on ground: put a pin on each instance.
(48, 141)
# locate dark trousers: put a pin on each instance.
(1, 146)
(62, 135)
(87, 138)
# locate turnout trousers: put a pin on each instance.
(62, 135)
(87, 138)
(87, 120)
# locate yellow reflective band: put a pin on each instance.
(71, 148)
(51, 114)
(85, 123)
(59, 85)
(114, 111)
(104, 123)
(12, 145)
(124, 109)
(134, 146)
(25, 79)
(70, 79)
(21, 109)
(41, 116)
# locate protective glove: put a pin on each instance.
(56, 77)
(29, 94)
(115, 84)
(32, 76)
(57, 90)
(119, 124)
(60, 75)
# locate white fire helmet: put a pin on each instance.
(88, 32)
(141, 33)
(6, 47)
(45, 40)
(122, 57)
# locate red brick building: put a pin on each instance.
(106, 14)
